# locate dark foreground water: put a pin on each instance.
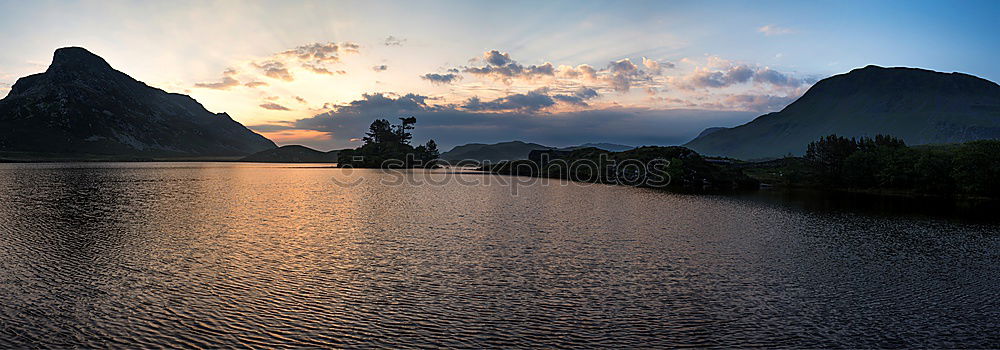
(223, 255)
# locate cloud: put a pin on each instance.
(582, 71)
(275, 69)
(532, 101)
(350, 47)
(773, 77)
(721, 73)
(316, 52)
(441, 78)
(271, 127)
(757, 103)
(497, 58)
(529, 102)
(380, 68)
(578, 97)
(226, 83)
(717, 79)
(274, 107)
(499, 66)
(300, 99)
(255, 84)
(771, 29)
(314, 57)
(394, 41)
(384, 101)
(317, 69)
(623, 73)
(452, 125)
(656, 67)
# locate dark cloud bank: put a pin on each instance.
(515, 117)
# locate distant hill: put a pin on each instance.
(292, 154)
(515, 150)
(687, 171)
(920, 106)
(605, 146)
(496, 152)
(81, 107)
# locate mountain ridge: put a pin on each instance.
(918, 105)
(514, 150)
(292, 154)
(81, 105)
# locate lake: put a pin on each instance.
(289, 255)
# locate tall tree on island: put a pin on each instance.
(388, 146)
(379, 132)
(402, 131)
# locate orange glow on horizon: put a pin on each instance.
(297, 135)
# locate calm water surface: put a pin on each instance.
(223, 255)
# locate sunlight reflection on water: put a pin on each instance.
(230, 254)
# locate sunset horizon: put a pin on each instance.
(318, 83)
(499, 175)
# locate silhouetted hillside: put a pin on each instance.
(496, 152)
(613, 147)
(920, 106)
(514, 150)
(292, 154)
(80, 106)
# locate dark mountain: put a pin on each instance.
(292, 154)
(613, 147)
(81, 107)
(512, 150)
(711, 130)
(920, 106)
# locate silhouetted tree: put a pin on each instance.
(388, 145)
(827, 156)
(402, 131)
(379, 132)
(886, 163)
(432, 150)
(868, 144)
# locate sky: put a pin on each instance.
(558, 73)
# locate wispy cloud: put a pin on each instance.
(441, 78)
(393, 41)
(721, 73)
(316, 58)
(499, 66)
(772, 29)
(274, 107)
(226, 83)
(275, 69)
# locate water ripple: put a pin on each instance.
(197, 255)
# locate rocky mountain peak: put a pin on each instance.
(82, 107)
(77, 58)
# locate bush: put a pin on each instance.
(886, 163)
